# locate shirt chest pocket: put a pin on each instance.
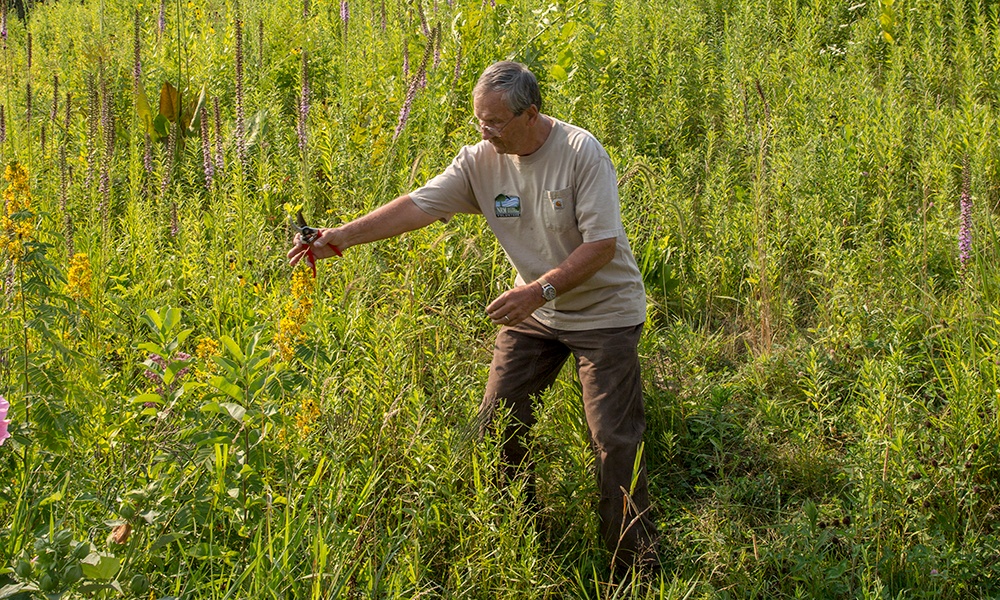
(559, 210)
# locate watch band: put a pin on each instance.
(548, 292)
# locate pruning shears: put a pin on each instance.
(308, 235)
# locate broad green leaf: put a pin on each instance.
(152, 319)
(145, 114)
(227, 387)
(235, 411)
(170, 102)
(233, 348)
(100, 566)
(144, 398)
(162, 126)
(232, 369)
(173, 317)
(150, 347)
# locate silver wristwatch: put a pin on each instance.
(548, 292)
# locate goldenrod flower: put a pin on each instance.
(290, 327)
(306, 417)
(16, 223)
(79, 276)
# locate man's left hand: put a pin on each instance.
(516, 305)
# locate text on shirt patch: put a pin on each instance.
(507, 206)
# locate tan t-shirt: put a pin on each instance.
(541, 207)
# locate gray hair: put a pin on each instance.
(518, 85)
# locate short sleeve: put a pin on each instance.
(449, 192)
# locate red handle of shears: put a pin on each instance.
(312, 256)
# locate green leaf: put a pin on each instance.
(100, 566)
(165, 540)
(161, 126)
(153, 320)
(144, 398)
(150, 347)
(227, 387)
(173, 317)
(235, 411)
(170, 102)
(233, 348)
(145, 114)
(56, 497)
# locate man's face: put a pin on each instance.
(498, 124)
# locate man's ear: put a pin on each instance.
(532, 113)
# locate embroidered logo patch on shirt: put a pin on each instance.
(507, 206)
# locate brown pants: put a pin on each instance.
(526, 360)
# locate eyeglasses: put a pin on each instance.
(494, 132)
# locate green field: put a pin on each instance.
(811, 187)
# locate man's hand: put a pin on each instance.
(516, 305)
(323, 247)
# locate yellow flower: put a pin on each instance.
(306, 417)
(16, 222)
(79, 276)
(290, 326)
(207, 348)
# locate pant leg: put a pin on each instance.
(526, 361)
(608, 365)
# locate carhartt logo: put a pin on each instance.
(507, 206)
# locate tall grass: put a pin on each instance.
(821, 371)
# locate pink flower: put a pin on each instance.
(4, 422)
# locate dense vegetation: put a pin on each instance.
(811, 188)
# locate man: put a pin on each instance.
(549, 192)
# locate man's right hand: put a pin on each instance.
(323, 247)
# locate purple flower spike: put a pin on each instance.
(4, 422)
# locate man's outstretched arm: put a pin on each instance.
(389, 220)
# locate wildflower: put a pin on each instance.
(3, 126)
(345, 12)
(79, 276)
(965, 227)
(306, 417)
(136, 56)
(411, 92)
(220, 162)
(156, 376)
(55, 97)
(240, 127)
(290, 327)
(4, 421)
(423, 19)
(207, 348)
(169, 167)
(162, 21)
(16, 224)
(303, 104)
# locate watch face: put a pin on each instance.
(548, 292)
